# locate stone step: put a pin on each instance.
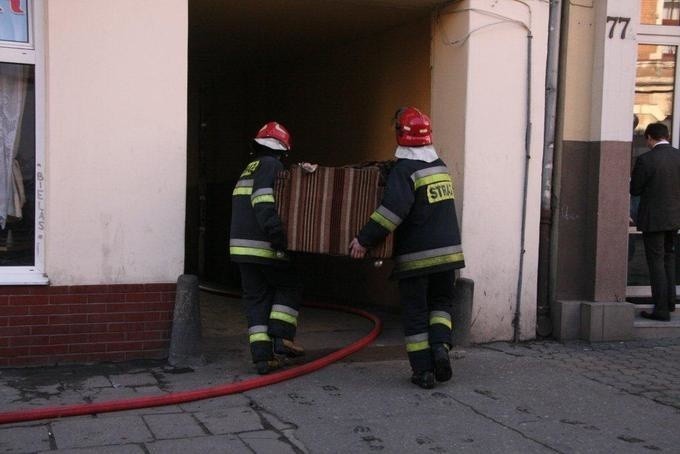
(652, 329)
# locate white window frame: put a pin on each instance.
(32, 53)
(658, 30)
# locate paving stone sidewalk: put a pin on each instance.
(542, 397)
(344, 408)
(646, 368)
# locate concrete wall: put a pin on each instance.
(493, 125)
(598, 82)
(578, 73)
(116, 140)
(574, 243)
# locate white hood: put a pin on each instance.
(426, 153)
(272, 143)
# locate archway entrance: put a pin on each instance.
(333, 72)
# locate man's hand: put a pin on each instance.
(356, 250)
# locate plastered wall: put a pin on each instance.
(488, 153)
(116, 140)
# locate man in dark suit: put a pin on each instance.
(656, 179)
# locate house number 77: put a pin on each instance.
(618, 20)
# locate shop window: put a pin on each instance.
(655, 101)
(17, 165)
(654, 87)
(660, 12)
(22, 220)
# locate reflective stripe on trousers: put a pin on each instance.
(284, 313)
(258, 333)
(440, 317)
(417, 342)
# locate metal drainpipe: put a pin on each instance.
(527, 150)
(545, 270)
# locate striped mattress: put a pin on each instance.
(322, 211)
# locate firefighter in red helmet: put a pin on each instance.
(257, 242)
(418, 206)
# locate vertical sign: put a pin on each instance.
(40, 212)
(14, 21)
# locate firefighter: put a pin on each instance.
(418, 206)
(257, 242)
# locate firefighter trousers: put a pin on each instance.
(427, 302)
(272, 295)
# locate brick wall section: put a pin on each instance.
(83, 324)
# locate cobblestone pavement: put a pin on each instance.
(504, 398)
(541, 397)
(646, 368)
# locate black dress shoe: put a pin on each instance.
(655, 316)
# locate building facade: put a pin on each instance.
(99, 146)
(126, 123)
(617, 75)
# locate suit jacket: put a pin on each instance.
(656, 179)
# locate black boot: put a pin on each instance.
(442, 363)
(265, 367)
(424, 379)
(287, 348)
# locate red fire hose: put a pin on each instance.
(204, 393)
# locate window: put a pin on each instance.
(654, 86)
(17, 165)
(660, 12)
(22, 218)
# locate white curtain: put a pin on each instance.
(13, 87)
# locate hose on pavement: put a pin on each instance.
(204, 393)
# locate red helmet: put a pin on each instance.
(274, 130)
(414, 128)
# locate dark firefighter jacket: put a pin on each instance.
(257, 234)
(418, 207)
